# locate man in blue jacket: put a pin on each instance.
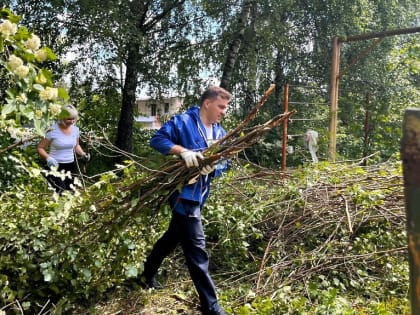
(187, 135)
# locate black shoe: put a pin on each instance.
(142, 283)
(150, 283)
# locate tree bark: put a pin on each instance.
(233, 50)
(125, 125)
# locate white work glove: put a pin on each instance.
(191, 157)
(51, 162)
(86, 156)
(207, 169)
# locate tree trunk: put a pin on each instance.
(279, 81)
(232, 53)
(125, 125)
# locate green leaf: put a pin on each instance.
(87, 274)
(38, 87)
(134, 202)
(7, 109)
(131, 271)
(50, 53)
(48, 275)
(39, 127)
(22, 34)
(62, 92)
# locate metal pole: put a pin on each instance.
(284, 145)
(410, 155)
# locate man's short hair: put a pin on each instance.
(214, 92)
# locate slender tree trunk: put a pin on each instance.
(250, 85)
(366, 138)
(279, 81)
(233, 50)
(125, 125)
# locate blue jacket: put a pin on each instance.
(187, 130)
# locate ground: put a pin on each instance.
(146, 302)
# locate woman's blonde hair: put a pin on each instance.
(68, 111)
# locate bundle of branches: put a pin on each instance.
(155, 186)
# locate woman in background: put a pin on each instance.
(62, 141)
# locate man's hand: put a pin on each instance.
(51, 162)
(207, 169)
(191, 157)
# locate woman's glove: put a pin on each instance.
(51, 162)
(86, 156)
(207, 169)
(191, 157)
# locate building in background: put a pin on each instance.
(153, 112)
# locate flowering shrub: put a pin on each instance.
(32, 99)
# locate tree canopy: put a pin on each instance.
(158, 48)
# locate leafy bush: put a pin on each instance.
(64, 248)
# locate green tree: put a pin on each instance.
(287, 41)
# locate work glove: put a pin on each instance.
(191, 157)
(51, 162)
(86, 156)
(207, 169)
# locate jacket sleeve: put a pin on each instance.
(165, 138)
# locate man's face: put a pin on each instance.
(216, 109)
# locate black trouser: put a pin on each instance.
(188, 231)
(61, 184)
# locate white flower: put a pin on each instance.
(38, 114)
(8, 28)
(41, 55)
(12, 132)
(22, 98)
(16, 133)
(19, 133)
(34, 172)
(21, 71)
(54, 109)
(33, 42)
(14, 62)
(48, 94)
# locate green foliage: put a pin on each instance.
(13, 161)
(55, 247)
(289, 249)
(31, 98)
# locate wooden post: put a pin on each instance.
(335, 69)
(335, 75)
(410, 155)
(284, 145)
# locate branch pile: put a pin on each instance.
(335, 223)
